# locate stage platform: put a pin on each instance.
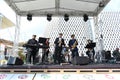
(51, 68)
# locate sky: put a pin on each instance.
(38, 25)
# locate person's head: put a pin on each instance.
(89, 41)
(48, 39)
(34, 37)
(60, 35)
(117, 49)
(72, 36)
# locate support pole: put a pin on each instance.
(99, 37)
(16, 38)
(0, 24)
(92, 28)
(89, 33)
(1, 20)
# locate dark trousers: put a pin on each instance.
(90, 56)
(74, 53)
(58, 55)
(31, 56)
(45, 55)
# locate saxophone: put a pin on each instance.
(74, 45)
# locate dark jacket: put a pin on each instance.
(57, 42)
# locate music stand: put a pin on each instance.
(42, 40)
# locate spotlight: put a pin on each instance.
(29, 17)
(85, 17)
(66, 17)
(49, 17)
(101, 4)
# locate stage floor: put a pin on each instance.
(69, 68)
(65, 66)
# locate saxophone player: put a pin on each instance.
(59, 43)
(73, 46)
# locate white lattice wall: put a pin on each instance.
(76, 25)
(110, 29)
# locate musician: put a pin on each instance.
(45, 51)
(32, 50)
(90, 50)
(116, 54)
(59, 43)
(73, 46)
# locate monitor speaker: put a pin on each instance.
(80, 60)
(14, 61)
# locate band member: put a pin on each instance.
(59, 43)
(73, 46)
(116, 54)
(90, 49)
(32, 50)
(45, 51)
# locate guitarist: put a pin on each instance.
(73, 46)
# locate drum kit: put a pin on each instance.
(65, 56)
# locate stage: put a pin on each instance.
(68, 68)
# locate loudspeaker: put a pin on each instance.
(85, 17)
(29, 17)
(14, 61)
(66, 17)
(49, 17)
(80, 60)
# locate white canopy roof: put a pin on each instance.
(57, 7)
(5, 22)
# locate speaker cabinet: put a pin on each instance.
(14, 61)
(80, 60)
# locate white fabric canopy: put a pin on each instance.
(5, 22)
(57, 7)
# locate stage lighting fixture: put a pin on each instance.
(49, 17)
(66, 17)
(101, 4)
(85, 17)
(29, 17)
